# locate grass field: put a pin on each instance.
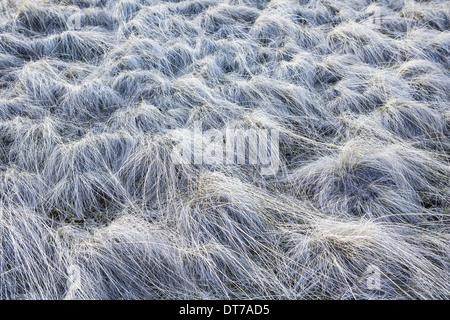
(95, 95)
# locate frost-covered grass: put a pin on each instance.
(358, 90)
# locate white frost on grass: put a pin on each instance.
(94, 93)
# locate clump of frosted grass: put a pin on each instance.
(95, 96)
